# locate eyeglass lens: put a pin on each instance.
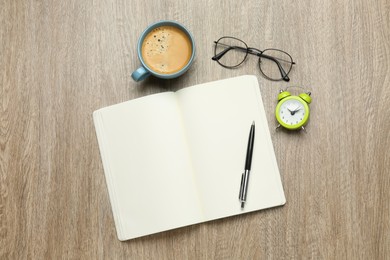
(233, 51)
(275, 64)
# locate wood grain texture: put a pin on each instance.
(61, 60)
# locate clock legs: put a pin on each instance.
(302, 127)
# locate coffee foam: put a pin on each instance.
(166, 49)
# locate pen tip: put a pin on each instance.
(242, 204)
(253, 123)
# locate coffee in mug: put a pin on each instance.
(166, 49)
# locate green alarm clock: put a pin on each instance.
(292, 112)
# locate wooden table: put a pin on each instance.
(61, 60)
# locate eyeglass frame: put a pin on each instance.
(253, 51)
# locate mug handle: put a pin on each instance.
(140, 74)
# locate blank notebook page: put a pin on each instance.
(218, 116)
(146, 164)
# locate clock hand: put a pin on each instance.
(297, 109)
(292, 112)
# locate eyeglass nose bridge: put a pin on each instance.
(255, 51)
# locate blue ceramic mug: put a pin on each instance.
(166, 50)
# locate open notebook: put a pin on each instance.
(174, 159)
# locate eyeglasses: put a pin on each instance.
(274, 64)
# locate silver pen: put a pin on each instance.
(248, 164)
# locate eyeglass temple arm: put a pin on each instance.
(222, 53)
(250, 50)
(258, 52)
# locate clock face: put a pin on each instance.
(292, 112)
